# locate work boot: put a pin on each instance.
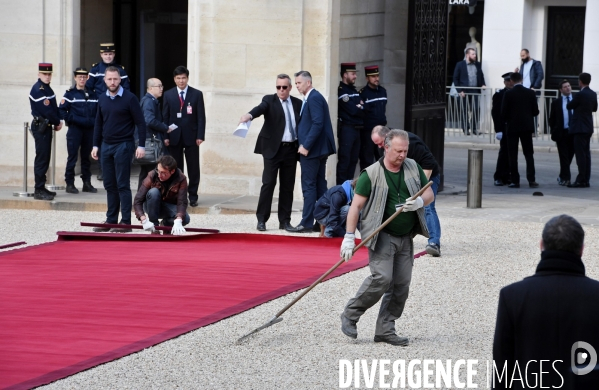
(348, 327)
(392, 339)
(121, 230)
(71, 189)
(47, 191)
(42, 195)
(87, 187)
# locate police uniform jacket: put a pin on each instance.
(375, 106)
(78, 108)
(349, 99)
(96, 77)
(43, 103)
(498, 120)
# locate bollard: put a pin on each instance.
(53, 186)
(475, 178)
(24, 193)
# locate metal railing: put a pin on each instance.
(469, 114)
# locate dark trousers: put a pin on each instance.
(367, 148)
(469, 105)
(283, 165)
(348, 153)
(43, 151)
(157, 209)
(582, 150)
(192, 156)
(79, 141)
(502, 169)
(314, 185)
(116, 165)
(526, 140)
(143, 172)
(565, 150)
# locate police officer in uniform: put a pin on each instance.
(502, 171)
(375, 105)
(78, 109)
(96, 82)
(45, 115)
(350, 124)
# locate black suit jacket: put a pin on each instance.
(271, 134)
(191, 126)
(556, 120)
(519, 109)
(584, 103)
(460, 76)
(542, 316)
(498, 120)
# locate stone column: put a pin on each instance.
(590, 62)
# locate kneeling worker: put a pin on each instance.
(381, 188)
(331, 209)
(163, 195)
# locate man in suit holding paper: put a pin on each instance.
(316, 143)
(277, 143)
(183, 106)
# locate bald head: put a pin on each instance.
(155, 87)
(378, 135)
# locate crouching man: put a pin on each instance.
(331, 209)
(163, 195)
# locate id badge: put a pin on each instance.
(189, 110)
(178, 115)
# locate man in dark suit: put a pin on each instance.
(317, 142)
(502, 169)
(584, 103)
(559, 121)
(519, 110)
(277, 143)
(547, 323)
(183, 106)
(468, 73)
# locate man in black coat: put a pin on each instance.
(519, 110)
(559, 121)
(468, 73)
(183, 106)
(546, 331)
(502, 170)
(584, 104)
(277, 143)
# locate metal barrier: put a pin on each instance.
(24, 193)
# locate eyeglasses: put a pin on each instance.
(282, 86)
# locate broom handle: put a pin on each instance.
(334, 267)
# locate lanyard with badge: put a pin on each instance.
(181, 104)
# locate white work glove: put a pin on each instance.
(178, 228)
(499, 136)
(413, 205)
(347, 246)
(148, 226)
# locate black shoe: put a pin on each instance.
(498, 183)
(576, 185)
(533, 184)
(587, 184)
(261, 226)
(514, 185)
(392, 339)
(42, 195)
(121, 230)
(71, 189)
(101, 229)
(316, 228)
(348, 327)
(87, 187)
(299, 229)
(193, 203)
(285, 225)
(47, 191)
(100, 176)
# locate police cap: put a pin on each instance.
(348, 67)
(372, 70)
(106, 47)
(80, 71)
(45, 67)
(506, 76)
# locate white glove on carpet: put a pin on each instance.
(347, 246)
(413, 205)
(148, 226)
(178, 228)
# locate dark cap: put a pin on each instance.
(348, 67)
(372, 70)
(80, 71)
(105, 47)
(506, 76)
(45, 67)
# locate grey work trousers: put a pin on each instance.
(391, 264)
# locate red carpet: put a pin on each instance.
(88, 299)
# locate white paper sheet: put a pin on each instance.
(242, 129)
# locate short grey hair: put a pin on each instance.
(305, 74)
(284, 76)
(396, 133)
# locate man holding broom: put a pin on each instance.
(381, 190)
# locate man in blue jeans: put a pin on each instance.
(118, 114)
(163, 195)
(419, 152)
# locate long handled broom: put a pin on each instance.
(278, 318)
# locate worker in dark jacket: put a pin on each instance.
(331, 209)
(502, 170)
(350, 124)
(78, 108)
(163, 195)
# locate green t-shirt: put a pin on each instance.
(398, 193)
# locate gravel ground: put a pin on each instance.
(450, 313)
